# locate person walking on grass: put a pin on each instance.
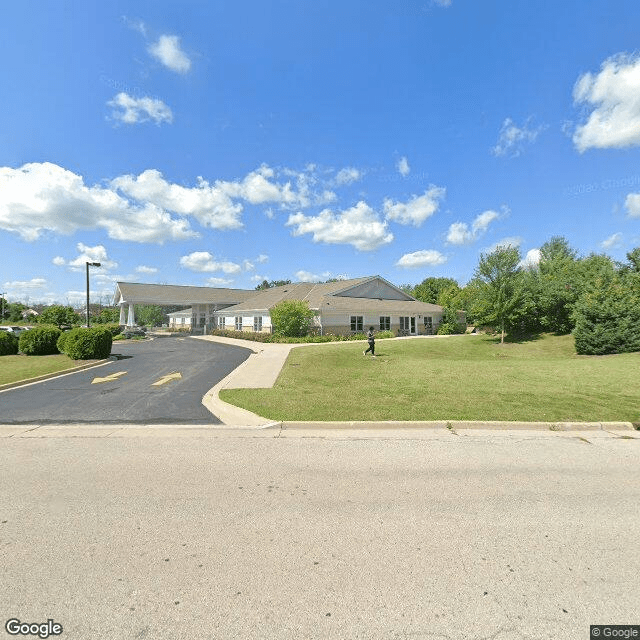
(372, 344)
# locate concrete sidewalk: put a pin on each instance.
(261, 370)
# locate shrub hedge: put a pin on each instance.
(41, 341)
(272, 337)
(87, 343)
(62, 340)
(8, 344)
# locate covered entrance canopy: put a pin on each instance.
(205, 301)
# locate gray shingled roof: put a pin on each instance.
(312, 292)
(323, 296)
(169, 294)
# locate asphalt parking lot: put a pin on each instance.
(154, 381)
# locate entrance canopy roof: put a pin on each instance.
(169, 294)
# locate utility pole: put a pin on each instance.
(90, 264)
(2, 295)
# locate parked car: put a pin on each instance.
(15, 330)
(130, 332)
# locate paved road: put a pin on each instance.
(134, 389)
(248, 536)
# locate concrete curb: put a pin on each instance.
(55, 374)
(346, 430)
(455, 425)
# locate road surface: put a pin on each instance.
(252, 536)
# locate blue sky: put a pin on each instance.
(219, 143)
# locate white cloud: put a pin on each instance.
(512, 139)
(40, 197)
(26, 285)
(511, 241)
(614, 96)
(167, 50)
(108, 279)
(59, 261)
(416, 210)
(442, 3)
(144, 269)
(130, 110)
(612, 242)
(262, 258)
(531, 260)
(348, 175)
(358, 226)
(632, 205)
(210, 205)
(424, 258)
(91, 254)
(136, 25)
(203, 261)
(219, 282)
(459, 232)
(307, 276)
(403, 166)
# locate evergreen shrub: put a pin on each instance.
(41, 341)
(88, 343)
(8, 344)
(607, 317)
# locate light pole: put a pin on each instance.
(90, 264)
(2, 295)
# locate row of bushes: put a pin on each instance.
(79, 344)
(272, 337)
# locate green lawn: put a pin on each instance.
(457, 378)
(14, 368)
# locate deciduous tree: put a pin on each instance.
(500, 290)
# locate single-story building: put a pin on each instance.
(180, 319)
(341, 307)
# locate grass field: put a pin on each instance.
(456, 378)
(14, 368)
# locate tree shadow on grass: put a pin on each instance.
(521, 338)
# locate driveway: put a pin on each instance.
(155, 381)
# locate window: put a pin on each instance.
(222, 322)
(357, 323)
(385, 323)
(238, 323)
(428, 325)
(257, 323)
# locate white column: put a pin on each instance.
(123, 317)
(131, 320)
